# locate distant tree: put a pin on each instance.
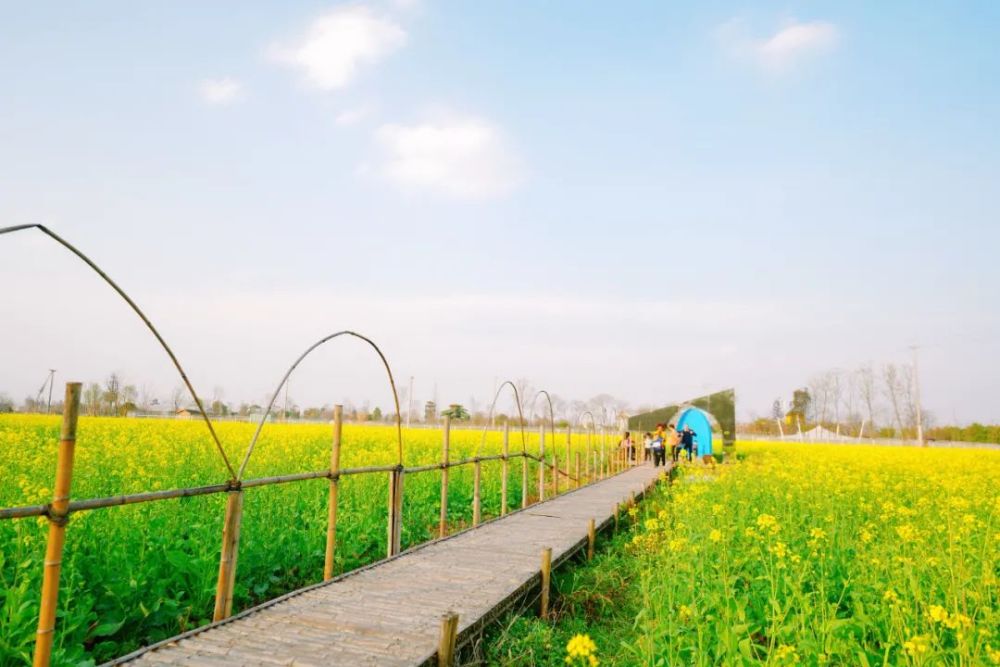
(92, 399)
(177, 397)
(799, 408)
(112, 393)
(6, 404)
(129, 396)
(776, 411)
(376, 415)
(866, 387)
(430, 412)
(457, 412)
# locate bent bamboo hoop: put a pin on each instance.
(145, 320)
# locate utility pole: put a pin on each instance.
(284, 412)
(52, 376)
(916, 392)
(409, 404)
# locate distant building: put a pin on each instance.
(188, 413)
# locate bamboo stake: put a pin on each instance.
(395, 523)
(569, 460)
(541, 463)
(58, 519)
(546, 580)
(555, 474)
(590, 447)
(594, 469)
(524, 482)
(230, 553)
(331, 519)
(578, 470)
(504, 469)
(477, 501)
(591, 539)
(446, 644)
(443, 521)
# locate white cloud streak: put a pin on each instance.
(338, 44)
(219, 92)
(789, 47)
(459, 157)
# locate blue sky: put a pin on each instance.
(645, 199)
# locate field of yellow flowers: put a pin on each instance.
(133, 575)
(795, 555)
(823, 555)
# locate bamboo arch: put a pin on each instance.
(489, 417)
(552, 414)
(149, 325)
(288, 373)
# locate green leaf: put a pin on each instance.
(109, 628)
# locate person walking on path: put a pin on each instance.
(687, 441)
(628, 446)
(659, 446)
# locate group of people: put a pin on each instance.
(656, 444)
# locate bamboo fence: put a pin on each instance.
(63, 507)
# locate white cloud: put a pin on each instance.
(352, 116)
(221, 91)
(790, 46)
(337, 44)
(460, 157)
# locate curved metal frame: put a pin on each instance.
(552, 415)
(288, 373)
(149, 325)
(489, 417)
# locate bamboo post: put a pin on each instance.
(58, 518)
(524, 481)
(443, 521)
(546, 581)
(555, 474)
(578, 470)
(541, 463)
(590, 447)
(504, 469)
(595, 464)
(395, 523)
(591, 539)
(331, 518)
(446, 644)
(477, 501)
(230, 552)
(569, 459)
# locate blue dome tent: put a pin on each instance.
(701, 425)
(711, 417)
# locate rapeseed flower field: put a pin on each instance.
(136, 574)
(822, 555)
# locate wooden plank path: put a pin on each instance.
(389, 613)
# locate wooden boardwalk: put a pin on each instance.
(390, 613)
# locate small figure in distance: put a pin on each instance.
(687, 441)
(647, 446)
(627, 445)
(659, 446)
